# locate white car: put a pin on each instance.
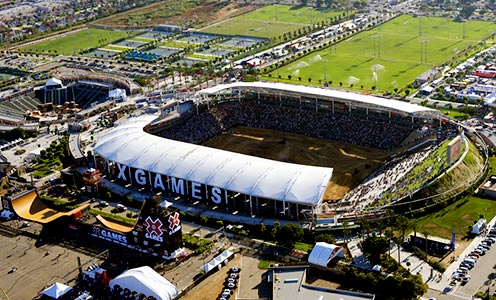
(121, 207)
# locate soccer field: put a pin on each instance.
(389, 56)
(76, 42)
(272, 20)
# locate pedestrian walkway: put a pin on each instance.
(358, 256)
(415, 265)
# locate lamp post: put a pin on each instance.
(423, 50)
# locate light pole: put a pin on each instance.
(378, 39)
(325, 70)
(423, 50)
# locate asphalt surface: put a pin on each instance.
(36, 265)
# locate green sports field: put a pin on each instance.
(457, 217)
(75, 43)
(389, 56)
(272, 20)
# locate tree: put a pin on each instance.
(426, 234)
(326, 238)
(364, 225)
(374, 247)
(346, 230)
(275, 230)
(289, 234)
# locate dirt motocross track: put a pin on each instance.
(351, 163)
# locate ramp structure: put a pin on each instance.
(113, 225)
(29, 206)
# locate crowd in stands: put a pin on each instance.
(388, 184)
(395, 180)
(371, 191)
(322, 124)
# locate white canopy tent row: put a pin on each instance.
(217, 261)
(207, 174)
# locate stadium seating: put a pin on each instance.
(380, 134)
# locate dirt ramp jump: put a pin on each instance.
(29, 206)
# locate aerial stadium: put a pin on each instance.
(182, 158)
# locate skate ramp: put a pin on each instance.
(29, 206)
(114, 226)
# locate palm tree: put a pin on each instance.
(388, 233)
(346, 230)
(365, 226)
(426, 234)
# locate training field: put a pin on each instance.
(272, 21)
(351, 163)
(76, 42)
(389, 56)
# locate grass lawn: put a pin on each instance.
(115, 48)
(176, 44)
(46, 167)
(388, 56)
(201, 56)
(456, 114)
(492, 164)
(293, 14)
(302, 246)
(265, 264)
(457, 217)
(255, 28)
(75, 43)
(272, 21)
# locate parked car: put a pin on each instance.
(121, 207)
(228, 291)
(491, 239)
(486, 244)
(103, 203)
(463, 271)
(467, 265)
(466, 279)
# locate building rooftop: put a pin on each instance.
(289, 284)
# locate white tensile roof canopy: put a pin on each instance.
(146, 281)
(391, 104)
(129, 145)
(322, 253)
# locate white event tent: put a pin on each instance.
(144, 280)
(56, 290)
(219, 259)
(323, 252)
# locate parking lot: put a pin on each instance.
(456, 285)
(481, 275)
(26, 268)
